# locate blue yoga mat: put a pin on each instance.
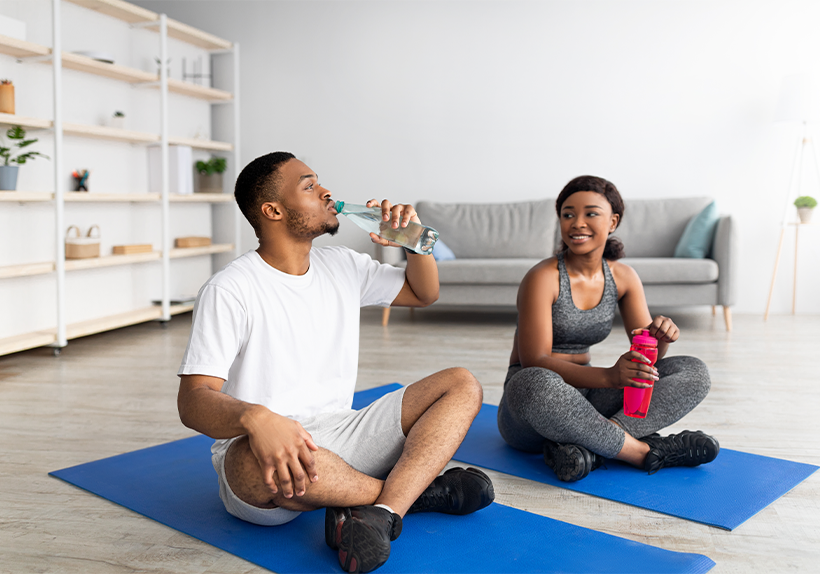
(724, 493)
(175, 484)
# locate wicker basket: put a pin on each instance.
(77, 247)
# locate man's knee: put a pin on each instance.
(465, 383)
(245, 479)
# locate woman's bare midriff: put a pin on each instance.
(579, 359)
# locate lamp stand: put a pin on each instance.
(797, 165)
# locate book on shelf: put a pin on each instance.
(182, 242)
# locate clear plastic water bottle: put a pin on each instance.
(415, 237)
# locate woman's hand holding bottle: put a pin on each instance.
(626, 370)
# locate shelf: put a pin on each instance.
(108, 133)
(196, 91)
(182, 308)
(92, 197)
(26, 341)
(20, 49)
(26, 270)
(110, 260)
(112, 322)
(195, 251)
(133, 14)
(202, 198)
(26, 196)
(201, 144)
(31, 123)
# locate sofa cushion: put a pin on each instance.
(661, 270)
(699, 234)
(652, 227)
(493, 230)
(484, 271)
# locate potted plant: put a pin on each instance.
(10, 155)
(209, 174)
(117, 120)
(6, 97)
(805, 206)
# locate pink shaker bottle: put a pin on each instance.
(636, 401)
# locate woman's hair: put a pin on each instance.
(614, 248)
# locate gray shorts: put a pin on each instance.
(370, 440)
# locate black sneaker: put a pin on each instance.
(683, 449)
(362, 535)
(570, 462)
(457, 491)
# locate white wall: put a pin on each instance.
(508, 100)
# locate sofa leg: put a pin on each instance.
(714, 310)
(385, 316)
(727, 317)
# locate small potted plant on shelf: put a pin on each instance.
(805, 206)
(6, 97)
(10, 155)
(209, 174)
(117, 120)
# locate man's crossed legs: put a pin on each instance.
(434, 415)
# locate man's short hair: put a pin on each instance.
(260, 183)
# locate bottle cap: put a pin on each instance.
(645, 339)
(340, 205)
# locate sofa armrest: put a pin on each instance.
(392, 255)
(724, 252)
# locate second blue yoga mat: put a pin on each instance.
(724, 493)
(175, 485)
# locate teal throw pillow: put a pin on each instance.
(696, 241)
(441, 252)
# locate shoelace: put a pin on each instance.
(434, 499)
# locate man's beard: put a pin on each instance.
(298, 226)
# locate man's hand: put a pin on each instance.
(398, 215)
(284, 448)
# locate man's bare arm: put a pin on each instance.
(280, 444)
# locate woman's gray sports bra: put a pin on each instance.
(575, 330)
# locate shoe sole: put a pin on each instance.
(359, 550)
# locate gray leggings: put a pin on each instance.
(538, 404)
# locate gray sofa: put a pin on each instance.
(496, 244)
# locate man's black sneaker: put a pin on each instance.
(362, 535)
(683, 449)
(457, 491)
(570, 462)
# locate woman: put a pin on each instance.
(555, 402)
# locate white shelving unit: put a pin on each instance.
(57, 269)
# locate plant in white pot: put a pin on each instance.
(15, 153)
(209, 174)
(805, 205)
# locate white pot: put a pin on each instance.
(805, 214)
(116, 122)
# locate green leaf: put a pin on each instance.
(16, 133)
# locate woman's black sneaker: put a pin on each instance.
(457, 491)
(687, 448)
(570, 462)
(362, 535)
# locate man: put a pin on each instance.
(270, 371)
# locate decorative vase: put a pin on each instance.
(116, 122)
(805, 214)
(7, 98)
(8, 177)
(209, 183)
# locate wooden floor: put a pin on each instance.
(112, 393)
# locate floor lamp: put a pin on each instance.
(796, 104)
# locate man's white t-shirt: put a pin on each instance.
(288, 342)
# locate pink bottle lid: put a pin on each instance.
(645, 339)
